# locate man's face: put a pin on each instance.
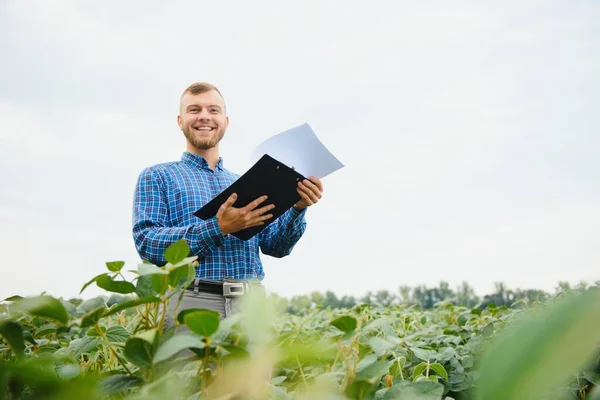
(202, 119)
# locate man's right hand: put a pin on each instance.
(233, 219)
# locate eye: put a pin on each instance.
(214, 110)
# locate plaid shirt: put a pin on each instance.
(165, 198)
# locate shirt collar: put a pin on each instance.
(198, 161)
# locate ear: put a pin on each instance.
(226, 122)
(179, 121)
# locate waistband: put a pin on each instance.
(227, 287)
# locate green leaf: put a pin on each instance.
(143, 286)
(202, 322)
(92, 317)
(360, 389)
(593, 377)
(419, 370)
(13, 298)
(68, 371)
(118, 383)
(181, 275)
(278, 380)
(93, 331)
(91, 304)
(177, 251)
(345, 323)
(117, 334)
(139, 352)
(462, 319)
(423, 390)
(322, 351)
(488, 330)
(377, 324)
(131, 304)
(85, 344)
(189, 261)
(115, 266)
(236, 351)
(70, 307)
(447, 354)
(397, 366)
(107, 283)
(181, 315)
(159, 283)
(94, 279)
(374, 372)
(380, 345)
(44, 307)
(440, 370)
(44, 330)
(421, 354)
(176, 344)
(149, 336)
(594, 394)
(149, 269)
(13, 333)
(541, 351)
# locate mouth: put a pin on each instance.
(204, 128)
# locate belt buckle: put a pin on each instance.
(233, 289)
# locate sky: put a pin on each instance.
(469, 132)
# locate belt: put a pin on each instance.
(223, 288)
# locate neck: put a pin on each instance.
(210, 155)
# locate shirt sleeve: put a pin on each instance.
(151, 232)
(279, 238)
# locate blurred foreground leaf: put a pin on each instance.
(43, 306)
(177, 251)
(13, 333)
(535, 356)
(176, 344)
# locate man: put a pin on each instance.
(167, 195)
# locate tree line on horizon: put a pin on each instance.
(426, 297)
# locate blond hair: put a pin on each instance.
(201, 87)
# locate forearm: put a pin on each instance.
(152, 240)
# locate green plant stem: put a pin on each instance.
(400, 369)
(301, 372)
(337, 356)
(205, 360)
(163, 303)
(110, 346)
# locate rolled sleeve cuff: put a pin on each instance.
(211, 235)
(295, 218)
(298, 214)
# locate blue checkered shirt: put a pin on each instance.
(166, 196)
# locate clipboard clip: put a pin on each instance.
(292, 167)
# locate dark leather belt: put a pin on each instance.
(222, 288)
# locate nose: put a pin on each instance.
(203, 115)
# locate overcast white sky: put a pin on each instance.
(469, 131)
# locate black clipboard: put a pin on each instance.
(266, 177)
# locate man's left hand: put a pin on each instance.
(310, 191)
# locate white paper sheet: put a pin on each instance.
(300, 148)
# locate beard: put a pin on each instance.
(203, 143)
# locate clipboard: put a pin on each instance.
(266, 177)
